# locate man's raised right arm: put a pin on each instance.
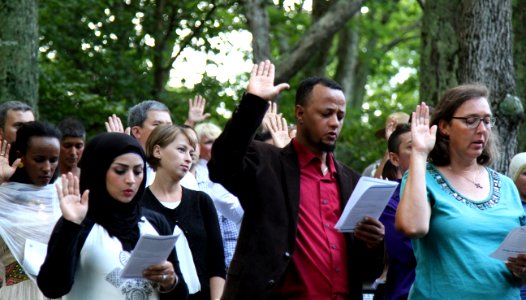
(228, 153)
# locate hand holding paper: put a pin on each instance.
(513, 252)
(150, 250)
(371, 231)
(369, 198)
(513, 244)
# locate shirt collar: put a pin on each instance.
(305, 156)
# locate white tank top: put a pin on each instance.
(101, 262)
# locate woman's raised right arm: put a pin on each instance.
(414, 211)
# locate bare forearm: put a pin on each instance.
(414, 211)
(216, 287)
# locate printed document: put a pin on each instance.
(150, 250)
(513, 244)
(369, 198)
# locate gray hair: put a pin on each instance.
(12, 105)
(139, 112)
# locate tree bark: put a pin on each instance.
(464, 50)
(258, 24)
(519, 60)
(439, 52)
(19, 51)
(318, 63)
(347, 54)
(317, 34)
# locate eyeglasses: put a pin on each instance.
(474, 122)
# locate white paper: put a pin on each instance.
(150, 250)
(369, 198)
(34, 256)
(513, 244)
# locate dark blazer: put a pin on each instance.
(266, 180)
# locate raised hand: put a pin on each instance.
(114, 124)
(6, 171)
(73, 206)
(423, 137)
(271, 113)
(261, 82)
(390, 128)
(196, 110)
(277, 125)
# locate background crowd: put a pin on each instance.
(254, 205)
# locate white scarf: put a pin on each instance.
(186, 262)
(27, 217)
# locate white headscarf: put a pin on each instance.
(517, 165)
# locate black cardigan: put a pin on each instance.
(57, 274)
(197, 217)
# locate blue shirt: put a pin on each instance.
(229, 210)
(453, 259)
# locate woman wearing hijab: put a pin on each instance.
(190, 213)
(91, 243)
(29, 207)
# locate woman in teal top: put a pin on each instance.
(456, 209)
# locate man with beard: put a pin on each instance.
(288, 247)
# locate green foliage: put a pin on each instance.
(100, 57)
(389, 45)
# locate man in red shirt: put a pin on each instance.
(292, 197)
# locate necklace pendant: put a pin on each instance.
(477, 185)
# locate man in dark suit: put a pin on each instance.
(292, 197)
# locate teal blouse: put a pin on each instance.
(453, 259)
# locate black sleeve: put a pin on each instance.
(57, 274)
(229, 150)
(160, 224)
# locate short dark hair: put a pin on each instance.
(12, 105)
(33, 129)
(445, 110)
(23, 135)
(307, 85)
(393, 143)
(71, 127)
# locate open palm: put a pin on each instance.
(261, 82)
(423, 137)
(74, 207)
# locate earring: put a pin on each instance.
(21, 165)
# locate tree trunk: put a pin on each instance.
(472, 56)
(519, 60)
(347, 61)
(439, 52)
(317, 34)
(258, 24)
(19, 51)
(318, 63)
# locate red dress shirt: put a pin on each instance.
(318, 269)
